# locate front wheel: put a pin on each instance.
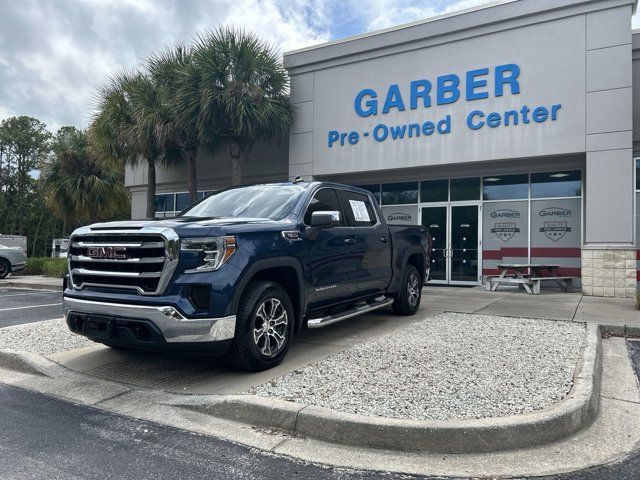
(407, 300)
(264, 327)
(5, 268)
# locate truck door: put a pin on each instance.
(370, 257)
(326, 252)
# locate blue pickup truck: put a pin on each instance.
(242, 270)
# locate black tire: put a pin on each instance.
(5, 268)
(407, 301)
(253, 350)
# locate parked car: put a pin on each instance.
(241, 270)
(11, 260)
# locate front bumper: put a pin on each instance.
(160, 325)
(18, 267)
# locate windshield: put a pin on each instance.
(256, 201)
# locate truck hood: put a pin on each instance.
(192, 226)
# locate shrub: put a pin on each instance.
(51, 267)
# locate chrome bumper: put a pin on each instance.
(174, 326)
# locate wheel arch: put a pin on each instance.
(285, 271)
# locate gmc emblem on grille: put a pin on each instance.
(110, 253)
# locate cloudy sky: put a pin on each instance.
(53, 54)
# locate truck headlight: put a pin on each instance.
(214, 251)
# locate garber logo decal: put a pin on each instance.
(505, 230)
(399, 217)
(555, 230)
(505, 213)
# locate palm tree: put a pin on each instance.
(121, 130)
(233, 93)
(80, 187)
(166, 70)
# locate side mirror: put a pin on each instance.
(325, 219)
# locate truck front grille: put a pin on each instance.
(137, 261)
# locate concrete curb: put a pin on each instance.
(32, 286)
(24, 362)
(574, 413)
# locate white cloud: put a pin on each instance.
(388, 13)
(53, 55)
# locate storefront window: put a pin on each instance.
(183, 200)
(555, 234)
(465, 189)
(375, 189)
(556, 184)
(400, 193)
(165, 203)
(505, 187)
(434, 191)
(505, 235)
(637, 173)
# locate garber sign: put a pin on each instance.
(445, 90)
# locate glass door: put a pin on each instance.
(463, 244)
(455, 234)
(435, 219)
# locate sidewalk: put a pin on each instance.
(39, 282)
(618, 315)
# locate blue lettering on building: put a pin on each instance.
(474, 85)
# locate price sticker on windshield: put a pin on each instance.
(359, 210)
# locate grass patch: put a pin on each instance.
(50, 267)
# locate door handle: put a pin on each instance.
(349, 241)
(383, 239)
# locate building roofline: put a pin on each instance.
(402, 26)
(482, 18)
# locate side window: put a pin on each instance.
(358, 209)
(324, 200)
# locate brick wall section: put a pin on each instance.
(609, 272)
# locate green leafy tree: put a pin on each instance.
(25, 145)
(233, 93)
(80, 186)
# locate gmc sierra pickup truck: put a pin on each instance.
(243, 269)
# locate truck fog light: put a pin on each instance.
(171, 313)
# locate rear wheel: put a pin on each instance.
(264, 327)
(407, 300)
(5, 268)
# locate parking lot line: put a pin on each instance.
(20, 294)
(30, 306)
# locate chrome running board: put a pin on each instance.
(353, 312)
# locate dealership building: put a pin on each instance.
(511, 130)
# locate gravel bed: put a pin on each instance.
(44, 338)
(451, 366)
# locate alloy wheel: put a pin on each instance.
(270, 327)
(413, 289)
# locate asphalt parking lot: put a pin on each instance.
(21, 305)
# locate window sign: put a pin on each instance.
(465, 189)
(505, 236)
(399, 193)
(556, 184)
(434, 191)
(400, 215)
(555, 234)
(359, 211)
(505, 187)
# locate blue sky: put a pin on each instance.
(54, 54)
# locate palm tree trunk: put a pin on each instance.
(236, 173)
(151, 188)
(193, 178)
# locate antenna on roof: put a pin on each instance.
(298, 179)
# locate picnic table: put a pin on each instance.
(529, 276)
